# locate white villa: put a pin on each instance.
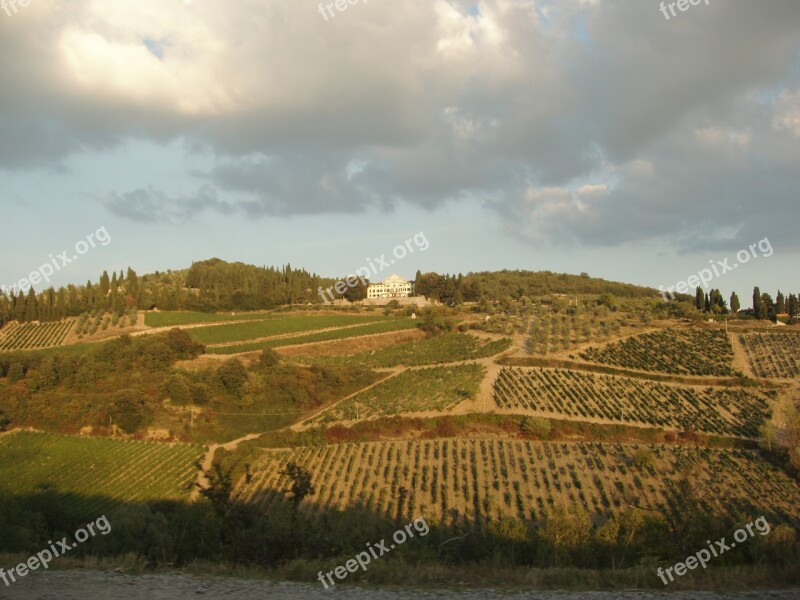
(393, 287)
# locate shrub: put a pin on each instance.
(538, 427)
(177, 389)
(643, 458)
(233, 376)
(130, 411)
(201, 394)
(269, 358)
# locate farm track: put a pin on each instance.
(740, 357)
(208, 461)
(115, 585)
(306, 423)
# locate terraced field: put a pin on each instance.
(177, 318)
(348, 331)
(469, 480)
(555, 332)
(773, 354)
(677, 351)
(253, 330)
(28, 336)
(435, 350)
(434, 389)
(90, 323)
(93, 472)
(575, 394)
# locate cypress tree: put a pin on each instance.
(757, 303)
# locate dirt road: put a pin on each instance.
(80, 585)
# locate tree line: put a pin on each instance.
(212, 285)
(763, 306)
(515, 285)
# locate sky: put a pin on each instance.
(599, 136)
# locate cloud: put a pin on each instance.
(581, 122)
(149, 205)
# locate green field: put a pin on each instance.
(253, 330)
(418, 390)
(95, 472)
(178, 318)
(319, 336)
(441, 349)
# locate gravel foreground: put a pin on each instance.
(80, 585)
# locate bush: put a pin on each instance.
(269, 358)
(201, 394)
(537, 426)
(177, 389)
(130, 411)
(233, 376)
(15, 372)
(643, 458)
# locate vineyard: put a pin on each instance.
(472, 480)
(418, 390)
(555, 324)
(90, 322)
(678, 351)
(574, 394)
(773, 354)
(27, 336)
(555, 332)
(440, 349)
(93, 472)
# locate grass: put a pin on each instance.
(267, 414)
(178, 318)
(419, 390)
(319, 336)
(435, 350)
(253, 330)
(78, 349)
